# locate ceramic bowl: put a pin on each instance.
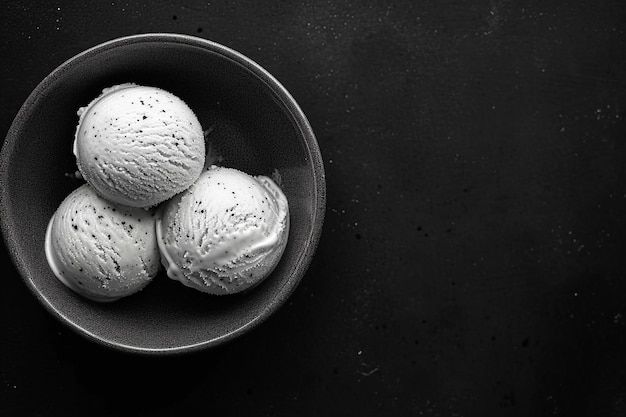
(255, 125)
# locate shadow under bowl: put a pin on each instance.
(254, 125)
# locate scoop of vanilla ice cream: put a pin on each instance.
(226, 233)
(102, 250)
(138, 145)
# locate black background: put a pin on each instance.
(472, 258)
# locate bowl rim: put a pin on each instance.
(314, 160)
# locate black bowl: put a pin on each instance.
(255, 125)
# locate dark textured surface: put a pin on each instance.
(472, 256)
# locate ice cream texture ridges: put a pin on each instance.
(224, 234)
(138, 145)
(102, 250)
(217, 230)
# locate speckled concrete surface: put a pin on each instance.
(472, 259)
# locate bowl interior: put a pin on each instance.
(253, 127)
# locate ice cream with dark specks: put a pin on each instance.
(102, 250)
(138, 145)
(226, 233)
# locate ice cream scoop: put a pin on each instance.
(226, 233)
(138, 145)
(102, 250)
